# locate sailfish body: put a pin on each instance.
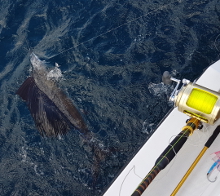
(53, 112)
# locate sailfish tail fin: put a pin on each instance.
(49, 120)
(98, 153)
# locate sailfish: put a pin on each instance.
(53, 112)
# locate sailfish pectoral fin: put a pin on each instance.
(49, 120)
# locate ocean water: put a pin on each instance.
(112, 54)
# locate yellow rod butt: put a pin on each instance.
(189, 171)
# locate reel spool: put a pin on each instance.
(196, 101)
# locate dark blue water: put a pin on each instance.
(112, 73)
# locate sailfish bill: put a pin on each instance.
(53, 112)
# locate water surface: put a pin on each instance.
(112, 73)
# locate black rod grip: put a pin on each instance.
(163, 160)
(213, 136)
(169, 153)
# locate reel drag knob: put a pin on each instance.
(166, 78)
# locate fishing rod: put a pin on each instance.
(203, 106)
(206, 146)
(168, 154)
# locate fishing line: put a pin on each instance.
(173, 145)
(215, 42)
(170, 140)
(183, 135)
(196, 142)
(113, 29)
(170, 165)
(207, 131)
(199, 137)
(172, 148)
(133, 168)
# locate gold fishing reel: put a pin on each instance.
(195, 100)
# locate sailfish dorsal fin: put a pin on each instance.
(49, 120)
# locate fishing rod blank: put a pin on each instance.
(206, 146)
(168, 154)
